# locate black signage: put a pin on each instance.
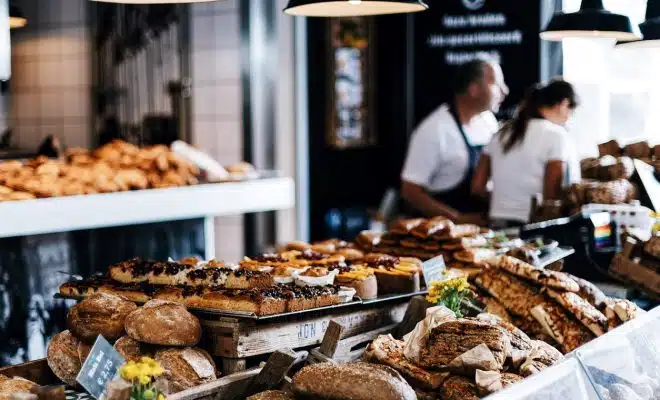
(100, 367)
(451, 32)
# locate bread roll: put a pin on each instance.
(186, 368)
(354, 381)
(99, 314)
(63, 357)
(9, 386)
(164, 323)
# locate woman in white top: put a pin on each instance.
(530, 154)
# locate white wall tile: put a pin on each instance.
(215, 32)
(216, 65)
(50, 72)
(51, 105)
(75, 103)
(220, 100)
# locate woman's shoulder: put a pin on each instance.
(545, 127)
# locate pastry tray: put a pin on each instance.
(555, 255)
(247, 315)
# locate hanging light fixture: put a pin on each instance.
(16, 17)
(650, 28)
(153, 1)
(592, 21)
(352, 8)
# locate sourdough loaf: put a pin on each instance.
(164, 323)
(99, 314)
(63, 358)
(9, 386)
(354, 381)
(186, 368)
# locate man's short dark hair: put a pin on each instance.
(467, 73)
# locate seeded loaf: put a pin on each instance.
(163, 323)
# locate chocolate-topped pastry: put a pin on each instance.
(170, 273)
(377, 259)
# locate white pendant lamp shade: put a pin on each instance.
(352, 8)
(153, 1)
(650, 29)
(592, 21)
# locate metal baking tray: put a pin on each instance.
(555, 255)
(398, 296)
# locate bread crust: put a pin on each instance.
(9, 386)
(130, 349)
(355, 381)
(99, 314)
(184, 366)
(63, 358)
(163, 323)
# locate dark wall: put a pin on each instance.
(412, 75)
(356, 178)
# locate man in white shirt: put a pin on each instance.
(445, 147)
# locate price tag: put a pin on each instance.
(433, 269)
(102, 366)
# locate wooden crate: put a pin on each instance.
(236, 339)
(627, 269)
(36, 371)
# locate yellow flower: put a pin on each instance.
(145, 379)
(161, 397)
(129, 371)
(157, 371)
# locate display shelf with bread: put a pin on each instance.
(638, 265)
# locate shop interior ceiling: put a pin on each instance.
(138, 72)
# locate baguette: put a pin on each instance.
(354, 381)
(130, 349)
(389, 351)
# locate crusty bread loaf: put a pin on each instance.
(164, 323)
(354, 381)
(83, 351)
(271, 395)
(9, 386)
(186, 368)
(63, 358)
(99, 314)
(131, 349)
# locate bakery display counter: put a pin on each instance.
(63, 214)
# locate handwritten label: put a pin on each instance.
(433, 269)
(100, 367)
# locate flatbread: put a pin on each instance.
(566, 331)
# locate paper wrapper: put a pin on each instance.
(478, 358)
(488, 382)
(416, 340)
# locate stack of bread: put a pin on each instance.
(421, 238)
(163, 330)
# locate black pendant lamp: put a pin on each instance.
(592, 21)
(352, 8)
(16, 17)
(650, 28)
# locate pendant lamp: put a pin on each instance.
(650, 28)
(592, 21)
(352, 8)
(153, 1)
(16, 17)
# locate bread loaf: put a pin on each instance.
(130, 349)
(99, 314)
(354, 381)
(271, 395)
(186, 368)
(164, 323)
(63, 358)
(9, 386)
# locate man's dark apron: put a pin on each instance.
(460, 197)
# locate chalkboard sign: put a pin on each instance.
(102, 366)
(433, 269)
(452, 32)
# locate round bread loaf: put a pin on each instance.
(83, 351)
(63, 358)
(355, 381)
(130, 349)
(164, 323)
(186, 368)
(99, 314)
(9, 386)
